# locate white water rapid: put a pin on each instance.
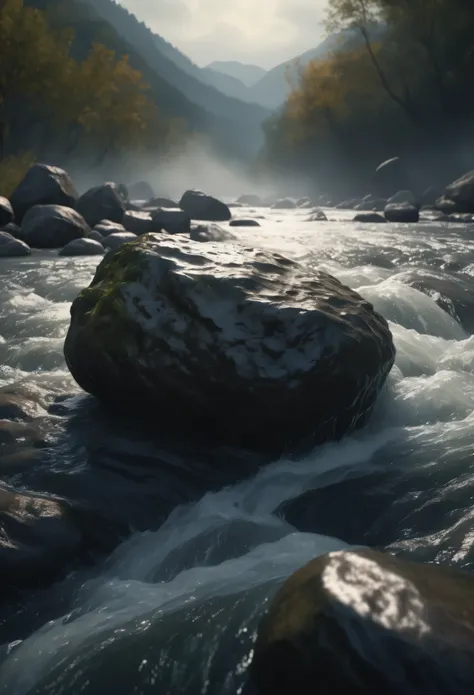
(174, 609)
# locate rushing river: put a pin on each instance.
(175, 606)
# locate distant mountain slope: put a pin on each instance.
(247, 74)
(272, 90)
(177, 69)
(233, 126)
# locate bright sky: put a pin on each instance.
(264, 32)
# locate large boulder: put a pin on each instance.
(200, 206)
(139, 223)
(6, 212)
(10, 247)
(43, 185)
(228, 341)
(52, 226)
(83, 247)
(106, 228)
(461, 192)
(365, 623)
(105, 202)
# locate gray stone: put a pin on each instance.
(139, 223)
(402, 212)
(83, 247)
(96, 235)
(6, 212)
(173, 221)
(10, 246)
(162, 202)
(106, 228)
(113, 241)
(317, 216)
(369, 217)
(210, 232)
(43, 185)
(228, 341)
(52, 226)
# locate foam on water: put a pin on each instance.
(234, 543)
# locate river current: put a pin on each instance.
(175, 606)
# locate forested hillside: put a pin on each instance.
(406, 93)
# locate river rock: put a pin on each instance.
(10, 247)
(106, 228)
(83, 247)
(228, 341)
(14, 230)
(365, 623)
(113, 241)
(173, 221)
(317, 216)
(250, 199)
(242, 222)
(284, 204)
(210, 232)
(141, 191)
(200, 206)
(461, 192)
(446, 205)
(401, 212)
(6, 212)
(369, 217)
(52, 226)
(102, 202)
(139, 223)
(96, 235)
(43, 185)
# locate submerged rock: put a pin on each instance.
(52, 226)
(210, 232)
(228, 342)
(6, 212)
(83, 247)
(200, 206)
(10, 247)
(43, 185)
(105, 202)
(369, 217)
(114, 241)
(402, 212)
(363, 623)
(242, 222)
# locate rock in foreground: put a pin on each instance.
(235, 343)
(363, 623)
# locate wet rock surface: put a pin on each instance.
(362, 622)
(52, 226)
(251, 338)
(43, 185)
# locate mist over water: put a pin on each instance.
(174, 609)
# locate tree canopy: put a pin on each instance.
(404, 90)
